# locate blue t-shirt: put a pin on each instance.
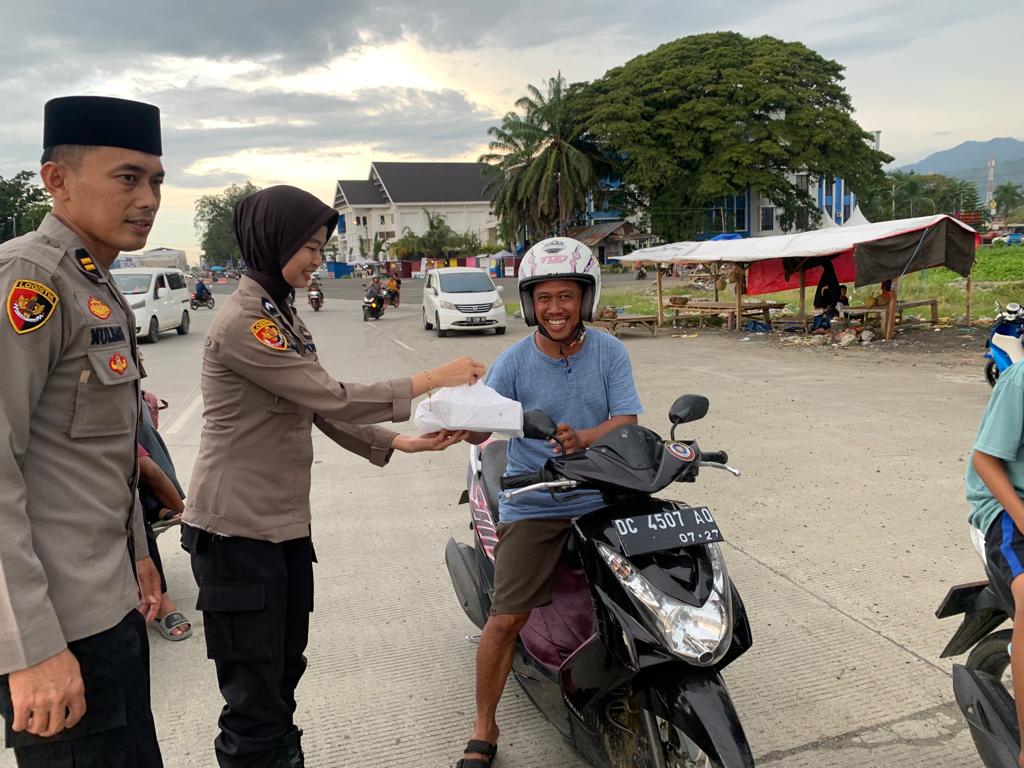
(582, 391)
(1001, 434)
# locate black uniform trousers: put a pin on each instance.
(117, 730)
(256, 598)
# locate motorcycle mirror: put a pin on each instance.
(538, 425)
(688, 408)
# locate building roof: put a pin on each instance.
(358, 192)
(422, 183)
(617, 230)
(432, 182)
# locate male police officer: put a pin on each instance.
(74, 658)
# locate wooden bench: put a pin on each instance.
(933, 303)
(863, 312)
(613, 326)
(700, 308)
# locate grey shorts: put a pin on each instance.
(524, 559)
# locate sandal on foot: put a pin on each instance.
(481, 748)
(170, 622)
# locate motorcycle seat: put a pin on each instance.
(493, 461)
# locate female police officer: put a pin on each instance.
(248, 513)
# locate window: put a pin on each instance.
(381, 220)
(160, 283)
(767, 218)
(175, 281)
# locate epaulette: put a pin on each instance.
(35, 248)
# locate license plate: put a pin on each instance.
(670, 529)
(477, 320)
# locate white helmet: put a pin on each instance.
(559, 258)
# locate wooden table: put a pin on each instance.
(933, 303)
(613, 326)
(700, 308)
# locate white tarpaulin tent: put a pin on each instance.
(819, 242)
(884, 250)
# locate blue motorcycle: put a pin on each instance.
(1008, 322)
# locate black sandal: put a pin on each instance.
(481, 748)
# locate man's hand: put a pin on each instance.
(48, 697)
(432, 441)
(570, 438)
(149, 588)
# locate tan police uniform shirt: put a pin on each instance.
(69, 405)
(263, 389)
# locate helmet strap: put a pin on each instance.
(565, 349)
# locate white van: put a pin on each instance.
(462, 299)
(158, 297)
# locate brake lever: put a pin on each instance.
(715, 465)
(551, 485)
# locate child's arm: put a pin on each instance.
(992, 472)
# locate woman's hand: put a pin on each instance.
(463, 370)
(432, 441)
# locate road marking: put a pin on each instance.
(182, 418)
(403, 345)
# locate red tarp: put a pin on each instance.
(769, 276)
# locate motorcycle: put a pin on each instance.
(316, 299)
(373, 307)
(626, 661)
(207, 302)
(984, 698)
(392, 298)
(1008, 322)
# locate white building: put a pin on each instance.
(154, 257)
(396, 196)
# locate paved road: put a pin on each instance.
(844, 533)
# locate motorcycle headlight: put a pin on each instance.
(447, 305)
(701, 635)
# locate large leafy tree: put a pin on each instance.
(544, 165)
(213, 224)
(23, 204)
(710, 115)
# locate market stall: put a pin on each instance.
(865, 254)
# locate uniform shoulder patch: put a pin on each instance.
(85, 261)
(269, 335)
(29, 305)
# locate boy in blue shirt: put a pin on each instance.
(584, 382)
(995, 487)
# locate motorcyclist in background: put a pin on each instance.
(202, 292)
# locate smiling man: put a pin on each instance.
(584, 382)
(74, 657)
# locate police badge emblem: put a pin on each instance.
(29, 305)
(269, 335)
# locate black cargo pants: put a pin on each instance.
(117, 730)
(256, 598)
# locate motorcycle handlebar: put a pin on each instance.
(715, 457)
(520, 481)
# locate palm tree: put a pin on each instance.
(543, 165)
(910, 189)
(1007, 196)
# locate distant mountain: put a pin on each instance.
(969, 161)
(970, 154)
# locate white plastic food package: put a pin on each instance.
(477, 408)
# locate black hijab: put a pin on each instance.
(270, 226)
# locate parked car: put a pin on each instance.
(159, 298)
(464, 299)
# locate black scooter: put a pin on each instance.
(984, 698)
(626, 660)
(373, 307)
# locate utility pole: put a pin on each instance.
(991, 181)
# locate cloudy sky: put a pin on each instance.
(309, 92)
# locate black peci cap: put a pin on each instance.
(100, 121)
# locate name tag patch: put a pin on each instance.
(29, 305)
(106, 334)
(269, 335)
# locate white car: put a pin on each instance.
(159, 298)
(462, 299)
